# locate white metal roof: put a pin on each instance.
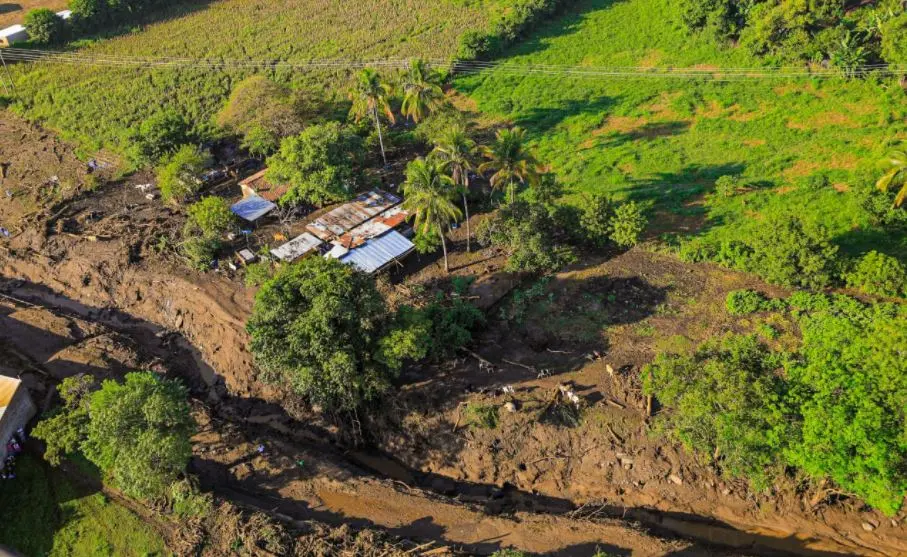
(297, 247)
(252, 208)
(376, 253)
(12, 30)
(64, 14)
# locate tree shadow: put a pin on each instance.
(8, 8)
(540, 120)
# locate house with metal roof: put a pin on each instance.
(12, 35)
(375, 254)
(257, 184)
(252, 208)
(301, 246)
(342, 219)
(16, 409)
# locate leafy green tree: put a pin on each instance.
(429, 193)
(44, 26)
(178, 176)
(316, 328)
(200, 250)
(547, 189)
(211, 216)
(160, 135)
(879, 274)
(894, 39)
(627, 224)
(724, 403)
(370, 96)
(598, 212)
(263, 112)
(88, 14)
(852, 391)
(526, 232)
(895, 176)
(457, 149)
(788, 252)
(849, 56)
(422, 92)
(63, 431)
(137, 432)
(321, 164)
(508, 161)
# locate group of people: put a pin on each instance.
(13, 448)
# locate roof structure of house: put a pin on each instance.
(378, 252)
(297, 247)
(388, 220)
(350, 215)
(257, 184)
(11, 31)
(252, 208)
(8, 387)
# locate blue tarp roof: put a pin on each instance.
(378, 252)
(252, 208)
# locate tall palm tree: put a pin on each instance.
(422, 92)
(508, 161)
(896, 176)
(458, 151)
(429, 195)
(369, 96)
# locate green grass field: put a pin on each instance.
(44, 513)
(96, 105)
(665, 140)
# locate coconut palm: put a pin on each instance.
(458, 151)
(429, 196)
(508, 161)
(896, 176)
(422, 92)
(369, 96)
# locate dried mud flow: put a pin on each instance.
(85, 289)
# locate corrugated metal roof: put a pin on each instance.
(375, 254)
(349, 215)
(252, 208)
(11, 30)
(297, 247)
(377, 226)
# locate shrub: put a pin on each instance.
(211, 216)
(879, 274)
(178, 176)
(200, 251)
(321, 164)
(484, 416)
(627, 225)
(744, 302)
(521, 16)
(44, 26)
(258, 273)
(427, 243)
(727, 186)
(787, 252)
(186, 501)
(725, 402)
(158, 136)
(525, 231)
(595, 219)
(316, 327)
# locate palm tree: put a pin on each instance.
(429, 195)
(896, 175)
(458, 151)
(369, 95)
(422, 92)
(508, 161)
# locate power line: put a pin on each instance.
(459, 66)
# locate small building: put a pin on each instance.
(350, 215)
(375, 254)
(16, 409)
(64, 14)
(12, 35)
(301, 246)
(257, 184)
(252, 208)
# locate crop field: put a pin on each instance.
(96, 105)
(44, 513)
(806, 145)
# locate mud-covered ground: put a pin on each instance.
(94, 285)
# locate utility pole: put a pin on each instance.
(8, 76)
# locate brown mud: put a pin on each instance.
(90, 287)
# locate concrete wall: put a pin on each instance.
(18, 412)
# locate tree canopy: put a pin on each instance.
(44, 26)
(321, 164)
(137, 432)
(179, 175)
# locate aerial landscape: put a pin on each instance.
(465, 277)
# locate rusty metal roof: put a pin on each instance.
(350, 215)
